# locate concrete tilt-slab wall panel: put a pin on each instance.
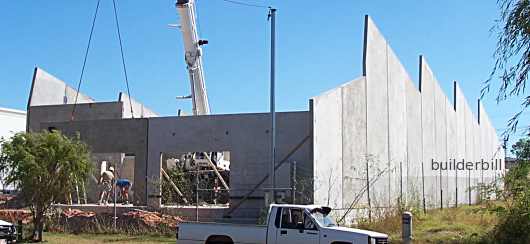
(441, 141)
(397, 117)
(462, 175)
(60, 113)
(138, 109)
(477, 157)
(328, 154)
(451, 153)
(247, 138)
(354, 141)
(414, 144)
(114, 136)
(375, 69)
(468, 117)
(427, 88)
(46, 89)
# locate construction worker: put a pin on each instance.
(124, 185)
(106, 181)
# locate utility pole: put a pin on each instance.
(272, 18)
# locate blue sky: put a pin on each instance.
(319, 47)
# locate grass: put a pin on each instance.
(62, 238)
(466, 224)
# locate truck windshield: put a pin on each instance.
(323, 220)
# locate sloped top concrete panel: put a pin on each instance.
(46, 89)
(485, 132)
(397, 126)
(466, 124)
(460, 122)
(138, 109)
(440, 120)
(398, 77)
(374, 49)
(464, 104)
(427, 86)
(375, 68)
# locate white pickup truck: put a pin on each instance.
(286, 224)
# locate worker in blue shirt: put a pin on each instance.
(124, 185)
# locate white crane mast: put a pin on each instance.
(193, 56)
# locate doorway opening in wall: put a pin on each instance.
(112, 181)
(195, 178)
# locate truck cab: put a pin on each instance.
(312, 224)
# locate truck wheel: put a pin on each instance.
(219, 240)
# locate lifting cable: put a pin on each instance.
(86, 56)
(122, 57)
(84, 61)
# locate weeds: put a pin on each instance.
(468, 224)
(514, 214)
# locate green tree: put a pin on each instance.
(44, 167)
(185, 183)
(514, 216)
(521, 149)
(512, 55)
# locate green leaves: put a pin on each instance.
(512, 55)
(44, 167)
(521, 149)
(514, 221)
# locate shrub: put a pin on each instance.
(514, 217)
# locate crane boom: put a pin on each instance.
(193, 56)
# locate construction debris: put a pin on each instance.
(70, 213)
(152, 218)
(78, 221)
(15, 215)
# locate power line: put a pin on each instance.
(245, 4)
